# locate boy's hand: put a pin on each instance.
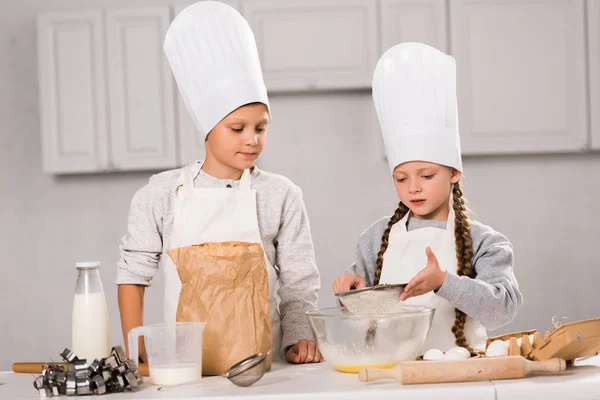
(348, 281)
(305, 351)
(429, 278)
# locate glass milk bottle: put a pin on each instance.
(91, 332)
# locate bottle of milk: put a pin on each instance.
(91, 332)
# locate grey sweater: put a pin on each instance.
(283, 225)
(492, 297)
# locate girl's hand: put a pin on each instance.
(305, 351)
(429, 278)
(348, 281)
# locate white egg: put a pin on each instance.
(497, 348)
(433, 355)
(457, 353)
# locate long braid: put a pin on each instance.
(398, 215)
(464, 255)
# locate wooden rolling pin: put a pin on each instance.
(36, 367)
(477, 369)
(33, 367)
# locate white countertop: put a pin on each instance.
(321, 381)
(578, 382)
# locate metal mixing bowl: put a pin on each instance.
(344, 341)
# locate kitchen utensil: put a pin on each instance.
(372, 300)
(476, 369)
(111, 374)
(33, 367)
(143, 369)
(341, 335)
(245, 373)
(36, 367)
(174, 351)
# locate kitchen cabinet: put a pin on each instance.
(73, 117)
(314, 44)
(141, 91)
(593, 20)
(106, 91)
(521, 75)
(421, 21)
(108, 100)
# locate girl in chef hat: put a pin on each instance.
(458, 266)
(225, 233)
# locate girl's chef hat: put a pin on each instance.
(414, 90)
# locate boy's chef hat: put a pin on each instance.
(213, 56)
(414, 91)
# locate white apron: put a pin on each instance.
(204, 215)
(405, 257)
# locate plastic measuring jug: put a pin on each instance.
(174, 351)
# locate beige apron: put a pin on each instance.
(219, 228)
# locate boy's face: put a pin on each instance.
(425, 188)
(238, 139)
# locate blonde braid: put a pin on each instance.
(398, 215)
(464, 255)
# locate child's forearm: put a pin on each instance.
(131, 307)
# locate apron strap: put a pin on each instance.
(401, 225)
(191, 172)
(245, 181)
(187, 175)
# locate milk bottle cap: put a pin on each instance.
(88, 264)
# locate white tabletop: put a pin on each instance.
(321, 381)
(577, 383)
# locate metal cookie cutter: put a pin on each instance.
(112, 374)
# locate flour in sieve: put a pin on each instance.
(373, 302)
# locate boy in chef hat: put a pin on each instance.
(458, 266)
(226, 233)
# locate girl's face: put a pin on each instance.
(238, 139)
(425, 188)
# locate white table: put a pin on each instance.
(577, 383)
(321, 381)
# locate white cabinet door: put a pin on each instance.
(421, 21)
(315, 44)
(521, 75)
(594, 57)
(72, 91)
(191, 142)
(141, 89)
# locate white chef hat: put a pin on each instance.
(414, 91)
(213, 56)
